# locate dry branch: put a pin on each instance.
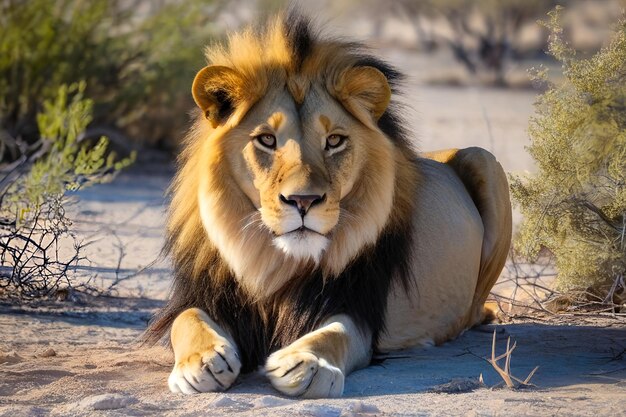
(505, 373)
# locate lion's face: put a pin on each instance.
(296, 163)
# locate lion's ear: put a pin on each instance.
(217, 90)
(364, 91)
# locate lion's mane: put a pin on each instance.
(310, 294)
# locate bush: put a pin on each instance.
(34, 229)
(137, 57)
(575, 206)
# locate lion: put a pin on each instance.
(305, 230)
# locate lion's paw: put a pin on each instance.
(212, 370)
(301, 373)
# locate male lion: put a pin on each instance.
(306, 233)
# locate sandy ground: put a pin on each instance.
(97, 371)
(80, 357)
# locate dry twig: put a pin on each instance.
(505, 373)
(532, 292)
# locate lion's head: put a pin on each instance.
(291, 163)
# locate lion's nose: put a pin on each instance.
(302, 202)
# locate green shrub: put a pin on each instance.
(34, 192)
(137, 57)
(575, 205)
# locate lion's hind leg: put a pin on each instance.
(486, 182)
(206, 360)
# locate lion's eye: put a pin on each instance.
(267, 140)
(335, 141)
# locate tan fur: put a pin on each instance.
(229, 199)
(315, 365)
(453, 287)
(201, 344)
(366, 208)
(484, 177)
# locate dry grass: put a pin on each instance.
(528, 289)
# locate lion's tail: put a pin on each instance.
(486, 182)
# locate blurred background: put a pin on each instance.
(468, 61)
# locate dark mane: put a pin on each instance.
(302, 38)
(299, 33)
(259, 328)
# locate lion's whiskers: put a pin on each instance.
(254, 224)
(347, 216)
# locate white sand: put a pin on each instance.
(80, 358)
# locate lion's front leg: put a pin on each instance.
(315, 366)
(206, 360)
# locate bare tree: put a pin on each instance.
(480, 33)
